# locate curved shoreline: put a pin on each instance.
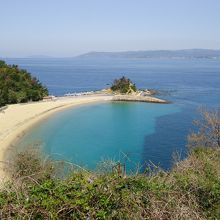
(18, 118)
(15, 120)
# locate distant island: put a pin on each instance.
(141, 54)
(18, 86)
(157, 54)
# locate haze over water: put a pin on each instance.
(144, 132)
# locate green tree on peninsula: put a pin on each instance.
(123, 85)
(17, 85)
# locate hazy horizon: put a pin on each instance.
(70, 28)
(120, 51)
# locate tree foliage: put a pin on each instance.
(208, 134)
(123, 85)
(17, 85)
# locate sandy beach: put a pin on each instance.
(17, 119)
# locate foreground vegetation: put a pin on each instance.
(17, 85)
(191, 190)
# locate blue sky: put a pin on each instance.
(70, 27)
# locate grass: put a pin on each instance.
(191, 190)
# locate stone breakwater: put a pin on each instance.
(134, 98)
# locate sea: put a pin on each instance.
(138, 135)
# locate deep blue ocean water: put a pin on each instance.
(144, 132)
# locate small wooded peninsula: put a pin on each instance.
(124, 89)
(18, 86)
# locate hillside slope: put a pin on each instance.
(17, 85)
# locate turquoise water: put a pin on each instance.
(145, 131)
(88, 134)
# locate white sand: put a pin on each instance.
(18, 118)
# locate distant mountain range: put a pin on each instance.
(170, 54)
(145, 54)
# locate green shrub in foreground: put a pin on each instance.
(191, 190)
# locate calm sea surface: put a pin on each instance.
(134, 133)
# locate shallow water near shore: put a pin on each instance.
(86, 135)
